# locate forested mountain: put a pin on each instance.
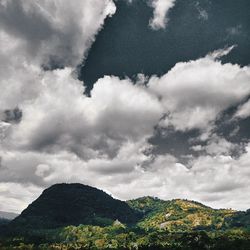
(74, 204)
(76, 216)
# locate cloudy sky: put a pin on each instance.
(139, 97)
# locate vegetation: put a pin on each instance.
(73, 204)
(144, 223)
(121, 237)
(4, 221)
(180, 215)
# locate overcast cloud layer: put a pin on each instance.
(52, 132)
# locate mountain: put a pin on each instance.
(4, 221)
(73, 204)
(76, 216)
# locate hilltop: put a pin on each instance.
(73, 204)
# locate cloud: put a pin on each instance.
(11, 115)
(243, 111)
(43, 33)
(11, 193)
(212, 180)
(55, 33)
(217, 145)
(203, 14)
(161, 8)
(67, 136)
(195, 93)
(62, 118)
(51, 132)
(102, 139)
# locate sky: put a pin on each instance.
(135, 97)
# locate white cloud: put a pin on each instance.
(61, 118)
(15, 197)
(213, 180)
(194, 93)
(35, 33)
(243, 111)
(217, 145)
(161, 8)
(58, 31)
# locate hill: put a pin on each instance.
(76, 216)
(3, 221)
(73, 204)
(182, 215)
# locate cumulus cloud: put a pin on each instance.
(161, 8)
(213, 180)
(62, 118)
(216, 145)
(54, 32)
(194, 93)
(243, 111)
(43, 33)
(67, 136)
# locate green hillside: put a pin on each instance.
(76, 216)
(180, 215)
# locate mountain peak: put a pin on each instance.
(73, 204)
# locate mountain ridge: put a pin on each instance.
(77, 216)
(68, 204)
